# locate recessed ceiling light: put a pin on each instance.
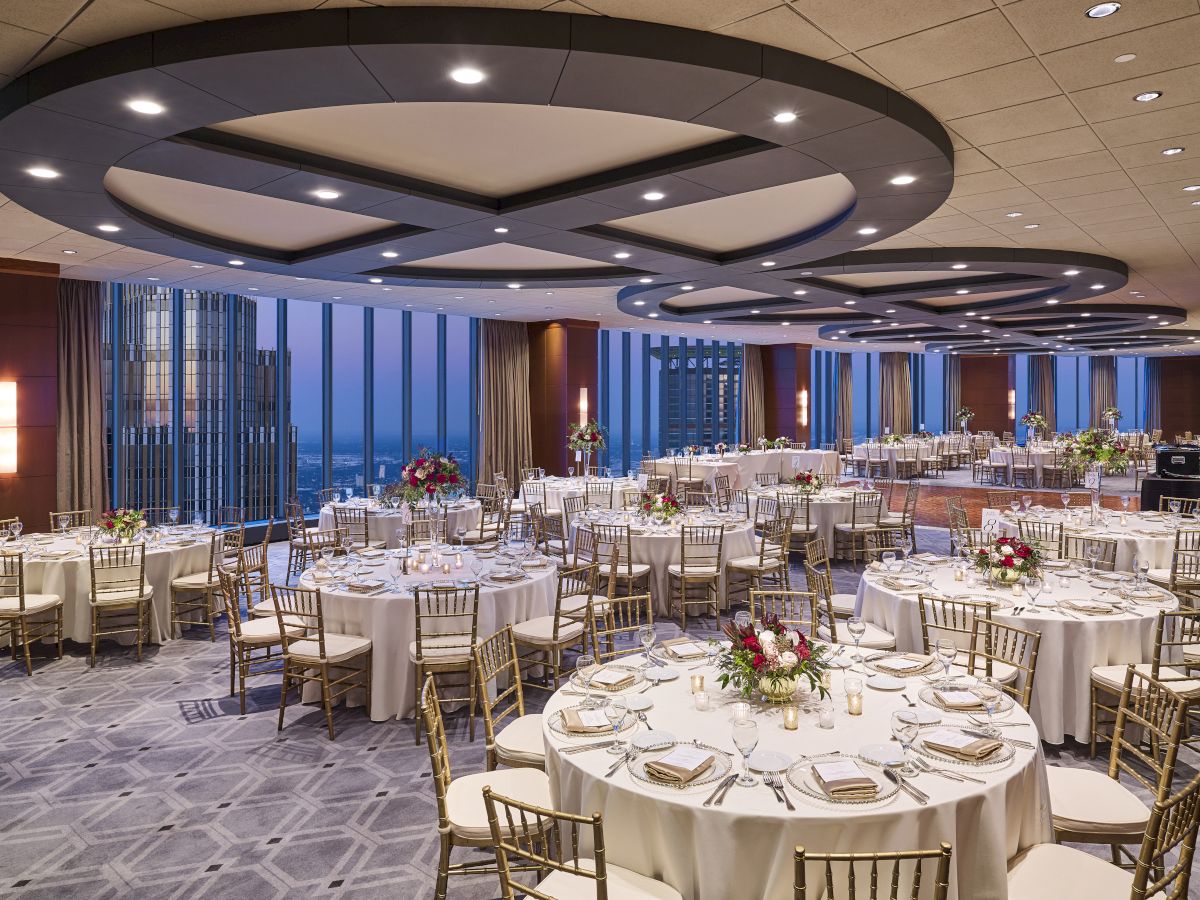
(785, 323)
(654, 315)
(108, 228)
(889, 310)
(754, 312)
(962, 291)
(868, 230)
(835, 338)
(621, 255)
(467, 75)
(962, 326)
(249, 289)
(337, 297)
(70, 252)
(959, 266)
(192, 266)
(1147, 96)
(903, 179)
(146, 107)
(236, 262)
(389, 254)
(41, 172)
(799, 293)
(985, 318)
(500, 230)
(1033, 225)
(768, 263)
(709, 322)
(653, 195)
(1125, 57)
(784, 118)
(1014, 215)
(689, 287)
(1192, 187)
(514, 285)
(877, 321)
(155, 278)
(326, 194)
(1097, 287)
(1071, 272)
(841, 331)
(1072, 325)
(1151, 317)
(1085, 315)
(376, 281)
(1102, 10)
(851, 302)
(1173, 151)
(646, 280)
(639, 302)
(389, 289)
(1052, 303)
(970, 313)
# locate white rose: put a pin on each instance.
(1006, 550)
(788, 659)
(766, 638)
(794, 637)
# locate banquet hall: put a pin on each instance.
(570, 449)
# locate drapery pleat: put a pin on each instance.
(1042, 369)
(82, 472)
(1153, 393)
(953, 391)
(753, 419)
(1104, 387)
(895, 393)
(845, 397)
(506, 443)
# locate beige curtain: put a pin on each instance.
(753, 422)
(82, 473)
(895, 393)
(1153, 393)
(506, 445)
(953, 392)
(845, 397)
(1041, 388)
(1104, 387)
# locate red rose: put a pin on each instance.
(413, 480)
(1008, 562)
(109, 525)
(430, 489)
(751, 643)
(420, 462)
(595, 436)
(454, 479)
(759, 661)
(1023, 552)
(441, 478)
(802, 651)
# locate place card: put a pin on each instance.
(962, 746)
(844, 779)
(680, 765)
(963, 700)
(585, 721)
(684, 648)
(907, 663)
(612, 678)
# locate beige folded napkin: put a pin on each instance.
(612, 679)
(507, 577)
(681, 765)
(585, 721)
(370, 554)
(905, 664)
(364, 587)
(684, 648)
(844, 780)
(57, 554)
(535, 563)
(958, 700)
(962, 746)
(1089, 607)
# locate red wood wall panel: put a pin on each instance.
(562, 359)
(1180, 397)
(986, 383)
(787, 394)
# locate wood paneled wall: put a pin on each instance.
(787, 371)
(986, 383)
(29, 355)
(1180, 397)
(562, 359)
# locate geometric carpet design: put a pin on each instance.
(142, 780)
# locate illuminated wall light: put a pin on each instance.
(803, 407)
(8, 427)
(583, 405)
(1012, 405)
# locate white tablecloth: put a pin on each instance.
(890, 452)
(1144, 535)
(465, 514)
(742, 467)
(743, 849)
(1069, 648)
(559, 488)
(827, 509)
(389, 620)
(1038, 458)
(70, 578)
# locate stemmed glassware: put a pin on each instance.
(461, 534)
(335, 495)
(15, 528)
(1026, 501)
(947, 651)
(616, 711)
(647, 634)
(1093, 555)
(173, 515)
(857, 626)
(570, 471)
(1174, 506)
(1125, 503)
(888, 558)
(1066, 500)
(394, 502)
(1034, 585)
(905, 545)
(989, 692)
(585, 669)
(905, 726)
(63, 522)
(745, 738)
(1015, 506)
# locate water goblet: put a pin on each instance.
(616, 712)
(905, 544)
(888, 558)
(1093, 555)
(905, 726)
(1034, 585)
(394, 502)
(1014, 505)
(989, 692)
(947, 652)
(1066, 500)
(857, 626)
(1026, 502)
(647, 634)
(745, 738)
(570, 471)
(1143, 570)
(335, 495)
(349, 493)
(742, 619)
(63, 522)
(1125, 503)
(1174, 506)
(15, 529)
(173, 515)
(461, 534)
(585, 670)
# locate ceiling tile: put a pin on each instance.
(1150, 153)
(1085, 184)
(17, 47)
(971, 162)
(982, 183)
(1098, 201)
(44, 16)
(1037, 117)
(783, 27)
(1030, 212)
(1053, 24)
(707, 15)
(107, 20)
(1150, 126)
(887, 20)
(1011, 198)
(854, 64)
(1086, 218)
(1179, 87)
(1094, 163)
(1157, 48)
(1007, 85)
(1183, 167)
(1055, 145)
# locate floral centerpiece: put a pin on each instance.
(743, 448)
(662, 506)
(587, 437)
(771, 659)
(1034, 420)
(124, 523)
(1112, 413)
(428, 477)
(693, 449)
(808, 482)
(891, 439)
(720, 447)
(1008, 559)
(1093, 447)
(965, 414)
(925, 435)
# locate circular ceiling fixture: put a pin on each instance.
(467, 75)
(1147, 96)
(1102, 10)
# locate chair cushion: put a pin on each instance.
(464, 798)
(265, 630)
(445, 649)
(637, 570)
(1003, 672)
(338, 648)
(875, 637)
(1113, 678)
(694, 571)
(10, 606)
(1160, 575)
(540, 631)
(1052, 872)
(751, 562)
(197, 581)
(520, 742)
(621, 883)
(861, 526)
(845, 604)
(1084, 800)
(123, 598)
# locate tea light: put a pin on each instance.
(445, 568)
(697, 684)
(959, 575)
(424, 567)
(458, 562)
(826, 680)
(700, 698)
(854, 696)
(1018, 590)
(791, 717)
(741, 712)
(1124, 521)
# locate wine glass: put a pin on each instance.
(1034, 585)
(1066, 500)
(394, 502)
(173, 515)
(989, 692)
(15, 529)
(857, 626)
(63, 522)
(905, 726)
(616, 713)
(905, 545)
(1174, 506)
(889, 558)
(745, 738)
(647, 634)
(1015, 506)
(395, 568)
(1125, 504)
(349, 493)
(570, 471)
(1093, 554)
(1026, 501)
(742, 620)
(585, 669)
(947, 652)
(1143, 570)
(461, 533)
(335, 495)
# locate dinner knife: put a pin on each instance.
(589, 747)
(918, 796)
(620, 762)
(721, 785)
(1016, 742)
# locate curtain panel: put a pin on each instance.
(82, 471)
(845, 397)
(753, 414)
(895, 393)
(953, 370)
(1104, 387)
(506, 443)
(1042, 369)
(1153, 393)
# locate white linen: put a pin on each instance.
(559, 488)
(1038, 458)
(1150, 536)
(744, 848)
(463, 514)
(827, 509)
(742, 467)
(1069, 647)
(890, 452)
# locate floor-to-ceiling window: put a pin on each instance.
(424, 372)
(461, 425)
(305, 347)
(348, 413)
(389, 389)
(1131, 373)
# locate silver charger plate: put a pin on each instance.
(999, 761)
(872, 663)
(559, 727)
(722, 766)
(1004, 706)
(800, 776)
(637, 673)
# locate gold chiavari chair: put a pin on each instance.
(462, 813)
(516, 504)
(357, 522)
(543, 641)
(328, 495)
(1187, 540)
(493, 521)
(794, 609)
(799, 511)
(535, 492)
(766, 479)
(816, 556)
(67, 519)
(1009, 654)
(549, 841)
(1163, 868)
(658, 484)
(1143, 465)
(1056, 473)
(884, 873)
(1001, 499)
(765, 509)
(723, 491)
(583, 553)
(1187, 505)
(1090, 807)
(447, 625)
(255, 644)
(1047, 536)
(194, 598)
(28, 618)
(946, 619)
(554, 538)
(628, 575)
(770, 563)
(685, 477)
(874, 638)
(631, 498)
(519, 743)
(530, 473)
(616, 624)
(1023, 471)
(906, 521)
(886, 485)
(1075, 548)
(850, 537)
(120, 594)
(599, 493)
(230, 517)
(699, 570)
(253, 570)
(907, 461)
(571, 508)
(297, 525)
(981, 465)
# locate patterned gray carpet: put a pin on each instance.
(142, 780)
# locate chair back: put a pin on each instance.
(816, 554)
(447, 623)
(1169, 846)
(615, 625)
(117, 570)
(797, 510)
(230, 515)
(1075, 547)
(1017, 647)
(579, 581)
(700, 547)
(70, 518)
(585, 546)
(439, 750)
(874, 876)
(571, 507)
(498, 677)
(1146, 736)
(599, 493)
(1001, 499)
(354, 520)
(1043, 534)
(774, 541)
(300, 615)
(658, 484)
(793, 609)
(866, 508)
(943, 619)
(296, 524)
(1176, 637)
(12, 578)
(610, 537)
(233, 593)
(1187, 505)
(766, 508)
(766, 478)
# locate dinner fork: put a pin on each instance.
(776, 782)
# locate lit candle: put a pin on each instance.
(1018, 590)
(826, 680)
(825, 716)
(445, 568)
(700, 698)
(741, 712)
(458, 562)
(424, 568)
(697, 684)
(854, 697)
(959, 575)
(791, 717)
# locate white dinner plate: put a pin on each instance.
(657, 674)
(638, 702)
(649, 740)
(883, 682)
(882, 754)
(769, 761)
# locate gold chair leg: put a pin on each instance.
(326, 700)
(95, 626)
(23, 637)
(443, 875)
(283, 696)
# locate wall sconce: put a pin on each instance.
(583, 406)
(1012, 405)
(8, 427)
(804, 407)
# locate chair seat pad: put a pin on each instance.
(631, 570)
(464, 798)
(1003, 672)
(1052, 872)
(520, 742)
(1162, 575)
(338, 648)
(875, 637)
(197, 581)
(751, 563)
(1113, 678)
(844, 603)
(576, 603)
(123, 598)
(540, 631)
(263, 608)
(33, 603)
(621, 883)
(1084, 800)
(847, 527)
(442, 649)
(265, 630)
(693, 571)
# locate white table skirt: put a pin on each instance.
(744, 848)
(1069, 647)
(559, 488)
(389, 620)
(1039, 459)
(825, 511)
(71, 579)
(1157, 547)
(466, 515)
(890, 452)
(742, 467)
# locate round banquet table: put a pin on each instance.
(891, 451)
(1039, 458)
(744, 848)
(708, 468)
(659, 546)
(1072, 642)
(742, 467)
(1149, 535)
(829, 507)
(460, 514)
(388, 618)
(60, 565)
(559, 488)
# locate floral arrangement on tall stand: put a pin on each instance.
(964, 416)
(744, 448)
(429, 477)
(585, 439)
(123, 523)
(660, 506)
(1093, 448)
(1036, 423)
(891, 439)
(694, 449)
(771, 659)
(808, 482)
(720, 447)
(1112, 415)
(1007, 559)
